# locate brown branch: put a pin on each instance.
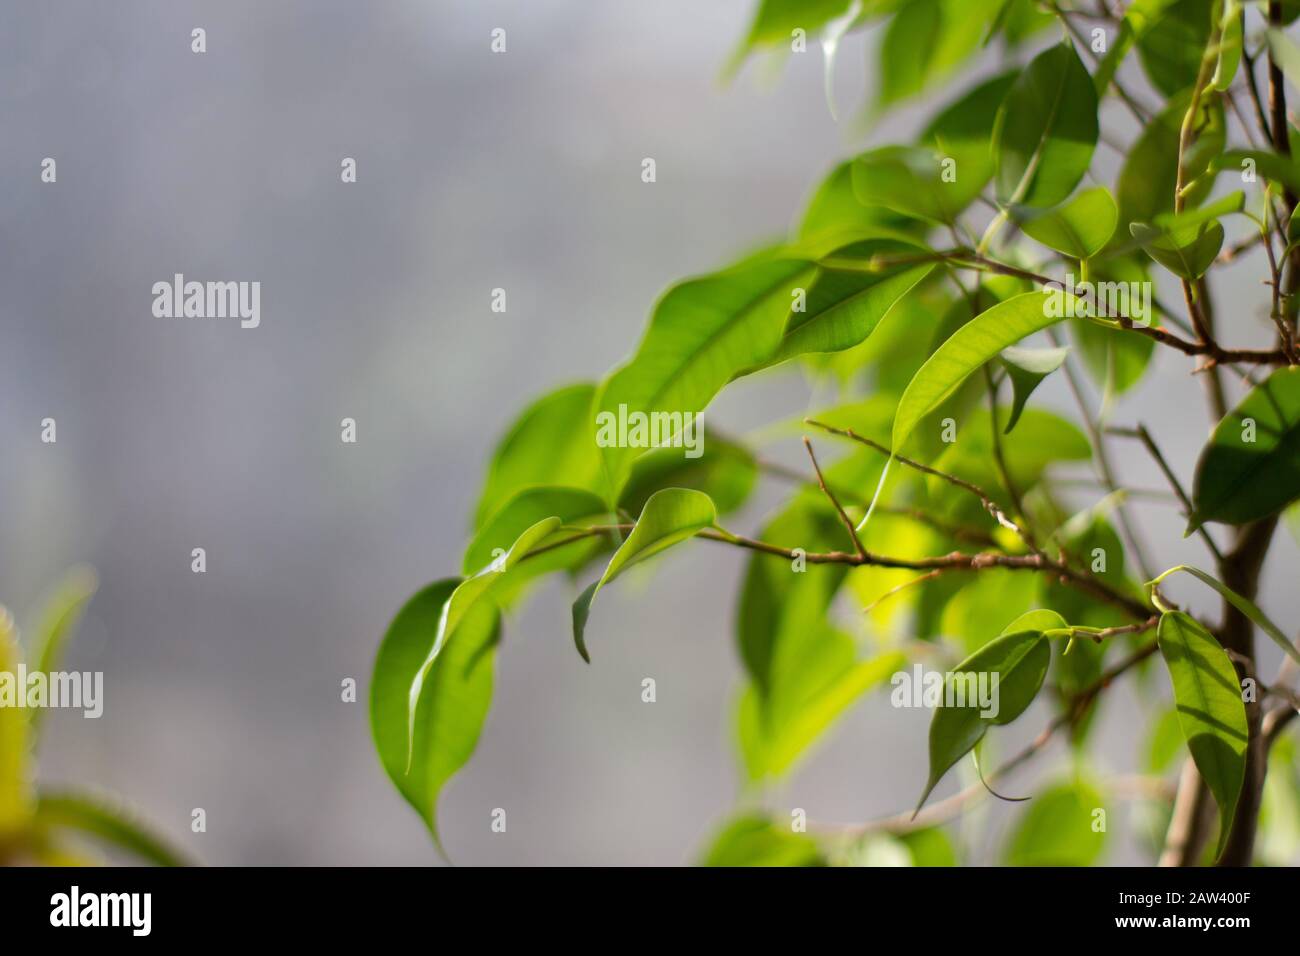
(839, 510)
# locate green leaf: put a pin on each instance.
(110, 823)
(1210, 710)
(975, 343)
(703, 333)
(1081, 228)
(1058, 829)
(1164, 742)
(924, 42)
(1046, 131)
(835, 213)
(1250, 468)
(572, 506)
(775, 20)
(844, 305)
(59, 621)
(421, 753)
(726, 472)
(1285, 54)
(963, 131)
(17, 801)
(669, 517)
(551, 443)
(1187, 253)
(910, 181)
(756, 841)
(1172, 47)
(1280, 169)
(1242, 604)
(1017, 660)
(1027, 368)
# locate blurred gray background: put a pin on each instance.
(475, 171)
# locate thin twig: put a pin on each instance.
(839, 510)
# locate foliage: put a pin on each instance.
(927, 281)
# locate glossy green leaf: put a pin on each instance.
(1210, 709)
(1018, 660)
(112, 824)
(551, 443)
(669, 517)
(775, 20)
(1250, 468)
(1027, 368)
(975, 343)
(1081, 228)
(757, 841)
(835, 214)
(1187, 252)
(703, 333)
(1059, 827)
(422, 752)
(1046, 131)
(963, 131)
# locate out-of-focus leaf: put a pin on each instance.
(1230, 45)
(1081, 228)
(420, 752)
(963, 131)
(1164, 742)
(726, 472)
(1285, 54)
(930, 846)
(1150, 174)
(834, 212)
(911, 181)
(1172, 48)
(17, 801)
(669, 517)
(112, 824)
(1210, 710)
(1060, 828)
(924, 42)
(551, 443)
(1027, 368)
(59, 621)
(1046, 131)
(571, 505)
(757, 841)
(1242, 604)
(1250, 468)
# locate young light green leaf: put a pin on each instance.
(1242, 604)
(924, 42)
(725, 471)
(112, 824)
(836, 213)
(669, 517)
(1027, 368)
(1014, 665)
(59, 621)
(911, 181)
(975, 343)
(1081, 228)
(1046, 131)
(1186, 253)
(523, 511)
(963, 132)
(551, 443)
(1250, 468)
(421, 751)
(703, 333)
(1280, 169)
(1210, 710)
(1285, 54)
